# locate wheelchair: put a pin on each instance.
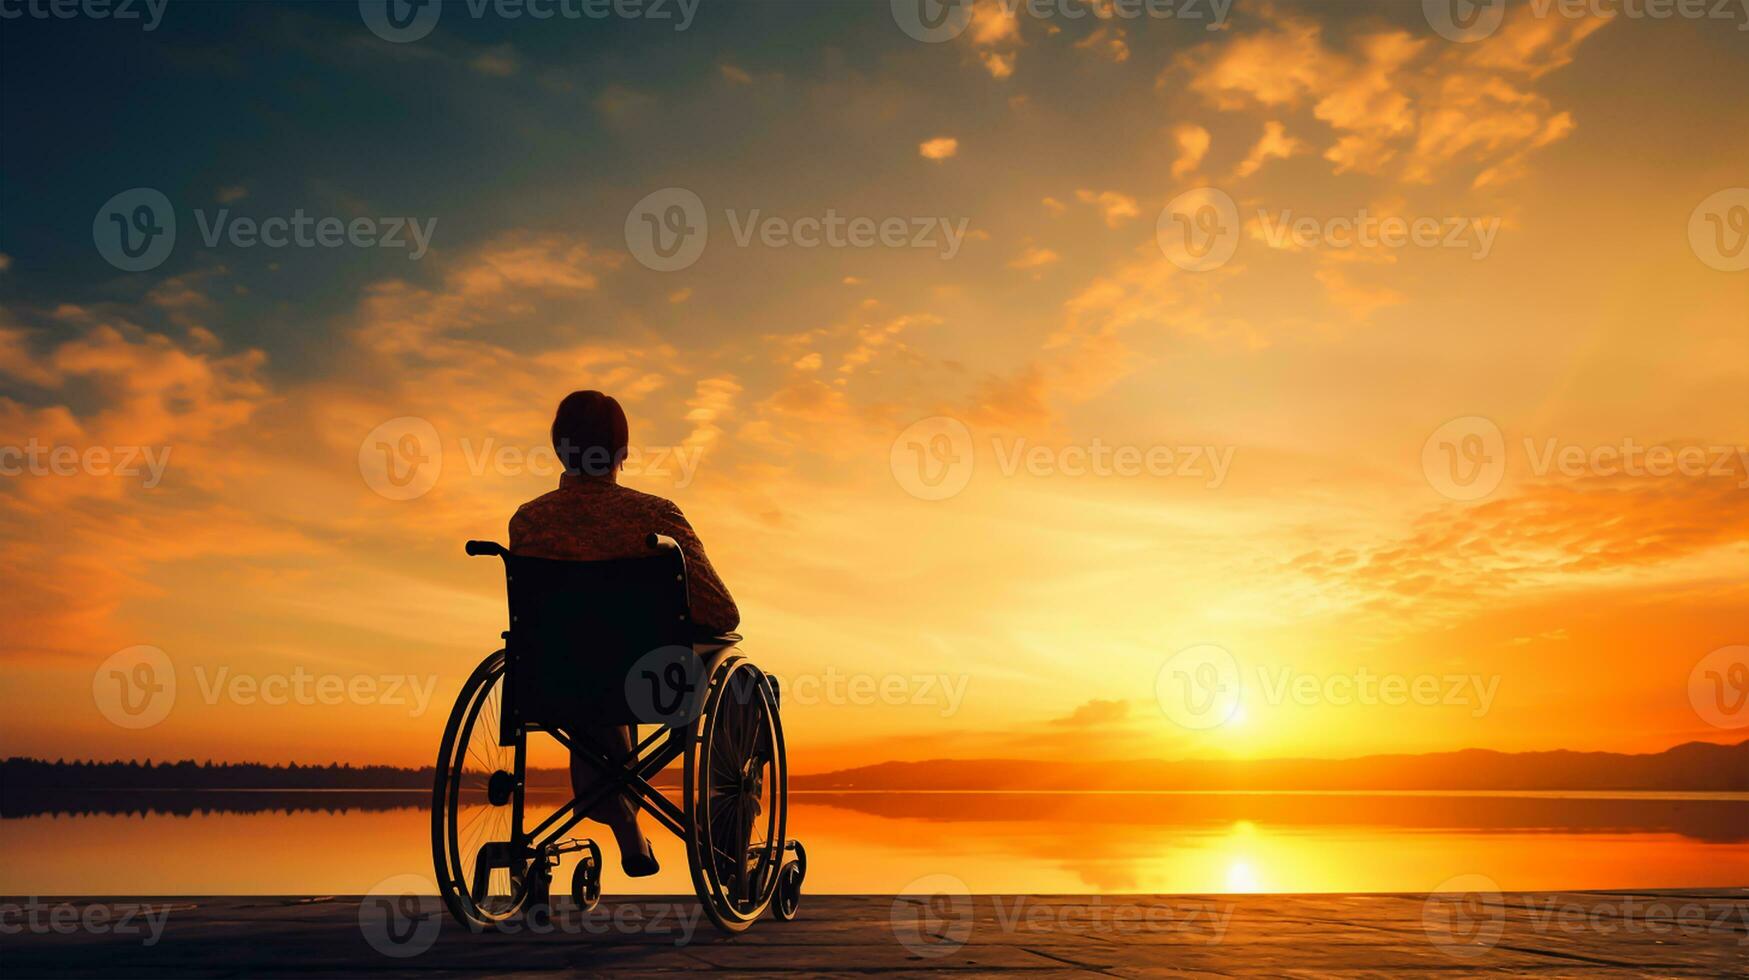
(594, 643)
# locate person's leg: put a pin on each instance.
(619, 811)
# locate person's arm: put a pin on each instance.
(712, 606)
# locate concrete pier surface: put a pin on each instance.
(1470, 929)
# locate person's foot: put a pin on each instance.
(639, 864)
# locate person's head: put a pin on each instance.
(589, 433)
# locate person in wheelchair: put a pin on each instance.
(591, 517)
(617, 622)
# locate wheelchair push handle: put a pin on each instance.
(660, 542)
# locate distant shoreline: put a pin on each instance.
(1692, 767)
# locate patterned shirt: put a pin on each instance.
(596, 519)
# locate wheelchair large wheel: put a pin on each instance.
(737, 796)
(475, 806)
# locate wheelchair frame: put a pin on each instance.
(734, 691)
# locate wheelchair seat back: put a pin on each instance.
(579, 629)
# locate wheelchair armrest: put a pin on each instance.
(478, 548)
(662, 542)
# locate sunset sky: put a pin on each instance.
(1031, 613)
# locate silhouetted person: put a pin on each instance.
(590, 517)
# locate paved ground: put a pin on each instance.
(1578, 934)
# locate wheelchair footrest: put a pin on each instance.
(567, 846)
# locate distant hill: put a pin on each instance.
(1692, 766)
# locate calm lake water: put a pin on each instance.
(344, 843)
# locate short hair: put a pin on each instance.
(590, 434)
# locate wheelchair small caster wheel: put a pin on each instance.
(789, 892)
(586, 879)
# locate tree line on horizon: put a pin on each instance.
(21, 772)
